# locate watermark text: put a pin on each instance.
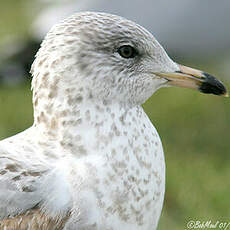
(209, 224)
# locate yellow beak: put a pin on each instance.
(188, 77)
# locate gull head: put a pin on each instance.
(104, 57)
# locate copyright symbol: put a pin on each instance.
(191, 224)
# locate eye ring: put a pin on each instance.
(127, 51)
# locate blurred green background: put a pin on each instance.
(194, 129)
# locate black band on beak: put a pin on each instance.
(211, 85)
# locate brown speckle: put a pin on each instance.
(79, 99)
(42, 117)
(64, 113)
(11, 167)
(26, 189)
(78, 121)
(52, 94)
(53, 124)
(34, 174)
(87, 115)
(115, 130)
(36, 102)
(81, 150)
(16, 178)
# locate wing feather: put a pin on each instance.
(33, 219)
(36, 192)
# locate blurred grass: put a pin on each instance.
(13, 19)
(194, 130)
(16, 109)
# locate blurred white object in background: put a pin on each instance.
(200, 27)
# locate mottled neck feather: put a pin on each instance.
(63, 111)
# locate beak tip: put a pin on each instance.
(213, 86)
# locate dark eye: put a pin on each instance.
(127, 51)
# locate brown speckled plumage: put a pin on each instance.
(33, 220)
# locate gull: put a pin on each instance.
(92, 159)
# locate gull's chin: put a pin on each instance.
(161, 82)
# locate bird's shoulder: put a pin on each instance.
(30, 186)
